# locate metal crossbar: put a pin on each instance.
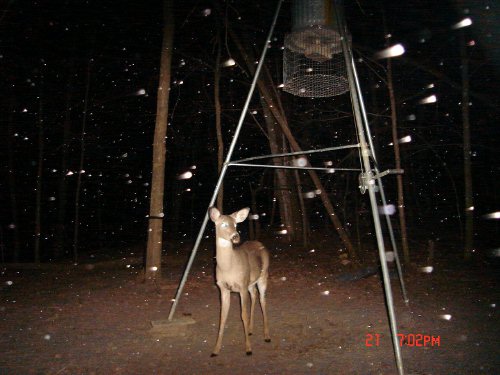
(297, 153)
(326, 169)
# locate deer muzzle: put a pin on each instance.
(235, 238)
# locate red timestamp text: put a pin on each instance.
(409, 339)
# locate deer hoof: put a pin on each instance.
(249, 353)
(267, 340)
(213, 355)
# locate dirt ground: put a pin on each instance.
(95, 318)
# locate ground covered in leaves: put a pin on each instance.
(95, 318)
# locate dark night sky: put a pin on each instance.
(49, 50)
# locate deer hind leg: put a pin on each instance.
(262, 285)
(225, 296)
(253, 297)
(244, 317)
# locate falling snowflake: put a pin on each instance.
(229, 62)
(428, 100)
(463, 23)
(393, 51)
(185, 176)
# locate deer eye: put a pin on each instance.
(224, 225)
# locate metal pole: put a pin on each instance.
(393, 242)
(365, 154)
(226, 163)
(363, 112)
(379, 181)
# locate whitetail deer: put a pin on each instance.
(239, 270)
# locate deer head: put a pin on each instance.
(225, 225)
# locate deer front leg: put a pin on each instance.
(253, 298)
(225, 297)
(244, 317)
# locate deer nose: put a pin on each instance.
(235, 238)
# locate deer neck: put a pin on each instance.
(224, 253)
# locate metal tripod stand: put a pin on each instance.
(370, 177)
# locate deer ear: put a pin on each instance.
(214, 213)
(240, 215)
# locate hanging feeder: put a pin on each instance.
(313, 60)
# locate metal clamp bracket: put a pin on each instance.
(367, 178)
(364, 180)
(389, 171)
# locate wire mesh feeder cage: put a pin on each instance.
(313, 59)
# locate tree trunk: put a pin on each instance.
(397, 158)
(469, 204)
(275, 106)
(60, 239)
(39, 175)
(295, 212)
(305, 222)
(280, 118)
(254, 209)
(12, 184)
(281, 187)
(152, 271)
(76, 231)
(218, 125)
